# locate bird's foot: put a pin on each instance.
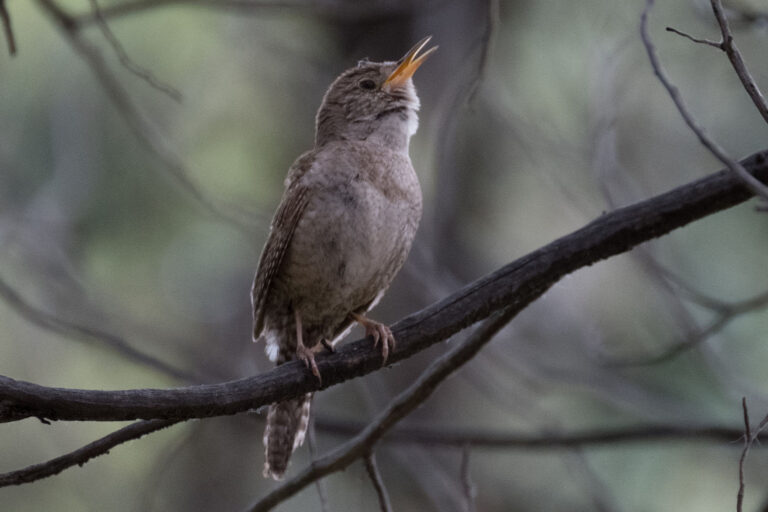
(379, 332)
(308, 356)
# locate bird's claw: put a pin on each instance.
(305, 354)
(380, 333)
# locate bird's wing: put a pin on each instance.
(283, 226)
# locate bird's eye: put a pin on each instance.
(367, 84)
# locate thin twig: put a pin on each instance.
(749, 181)
(84, 454)
(486, 43)
(707, 42)
(5, 18)
(320, 483)
(139, 124)
(126, 60)
(466, 480)
(726, 314)
(343, 11)
(747, 444)
(737, 61)
(378, 483)
(397, 409)
(68, 329)
(499, 439)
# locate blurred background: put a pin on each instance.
(131, 224)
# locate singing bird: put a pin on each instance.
(343, 229)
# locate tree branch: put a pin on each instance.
(359, 11)
(468, 488)
(68, 329)
(378, 483)
(514, 285)
(758, 188)
(400, 406)
(496, 439)
(737, 61)
(84, 454)
(726, 313)
(125, 59)
(142, 128)
(5, 19)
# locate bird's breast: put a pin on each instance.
(353, 238)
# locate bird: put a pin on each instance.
(344, 226)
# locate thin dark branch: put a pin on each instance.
(138, 123)
(441, 437)
(749, 438)
(491, 23)
(338, 11)
(319, 484)
(737, 61)
(378, 483)
(87, 334)
(707, 42)
(747, 444)
(516, 284)
(398, 408)
(749, 181)
(495, 439)
(126, 60)
(726, 314)
(5, 18)
(84, 454)
(466, 480)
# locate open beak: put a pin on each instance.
(408, 65)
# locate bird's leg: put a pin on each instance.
(302, 352)
(327, 345)
(379, 332)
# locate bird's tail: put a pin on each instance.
(286, 428)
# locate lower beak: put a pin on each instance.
(408, 65)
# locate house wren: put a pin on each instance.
(342, 231)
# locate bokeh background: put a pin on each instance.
(564, 120)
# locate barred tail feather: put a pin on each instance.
(285, 431)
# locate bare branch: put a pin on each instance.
(5, 19)
(339, 11)
(398, 408)
(749, 181)
(747, 444)
(707, 42)
(84, 454)
(737, 61)
(87, 334)
(319, 484)
(378, 483)
(514, 285)
(126, 60)
(495, 440)
(478, 439)
(726, 314)
(492, 23)
(466, 481)
(141, 127)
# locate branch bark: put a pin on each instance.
(514, 285)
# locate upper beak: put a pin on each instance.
(408, 65)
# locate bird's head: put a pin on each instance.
(373, 101)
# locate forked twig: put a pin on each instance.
(749, 181)
(126, 60)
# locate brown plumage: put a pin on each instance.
(342, 231)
